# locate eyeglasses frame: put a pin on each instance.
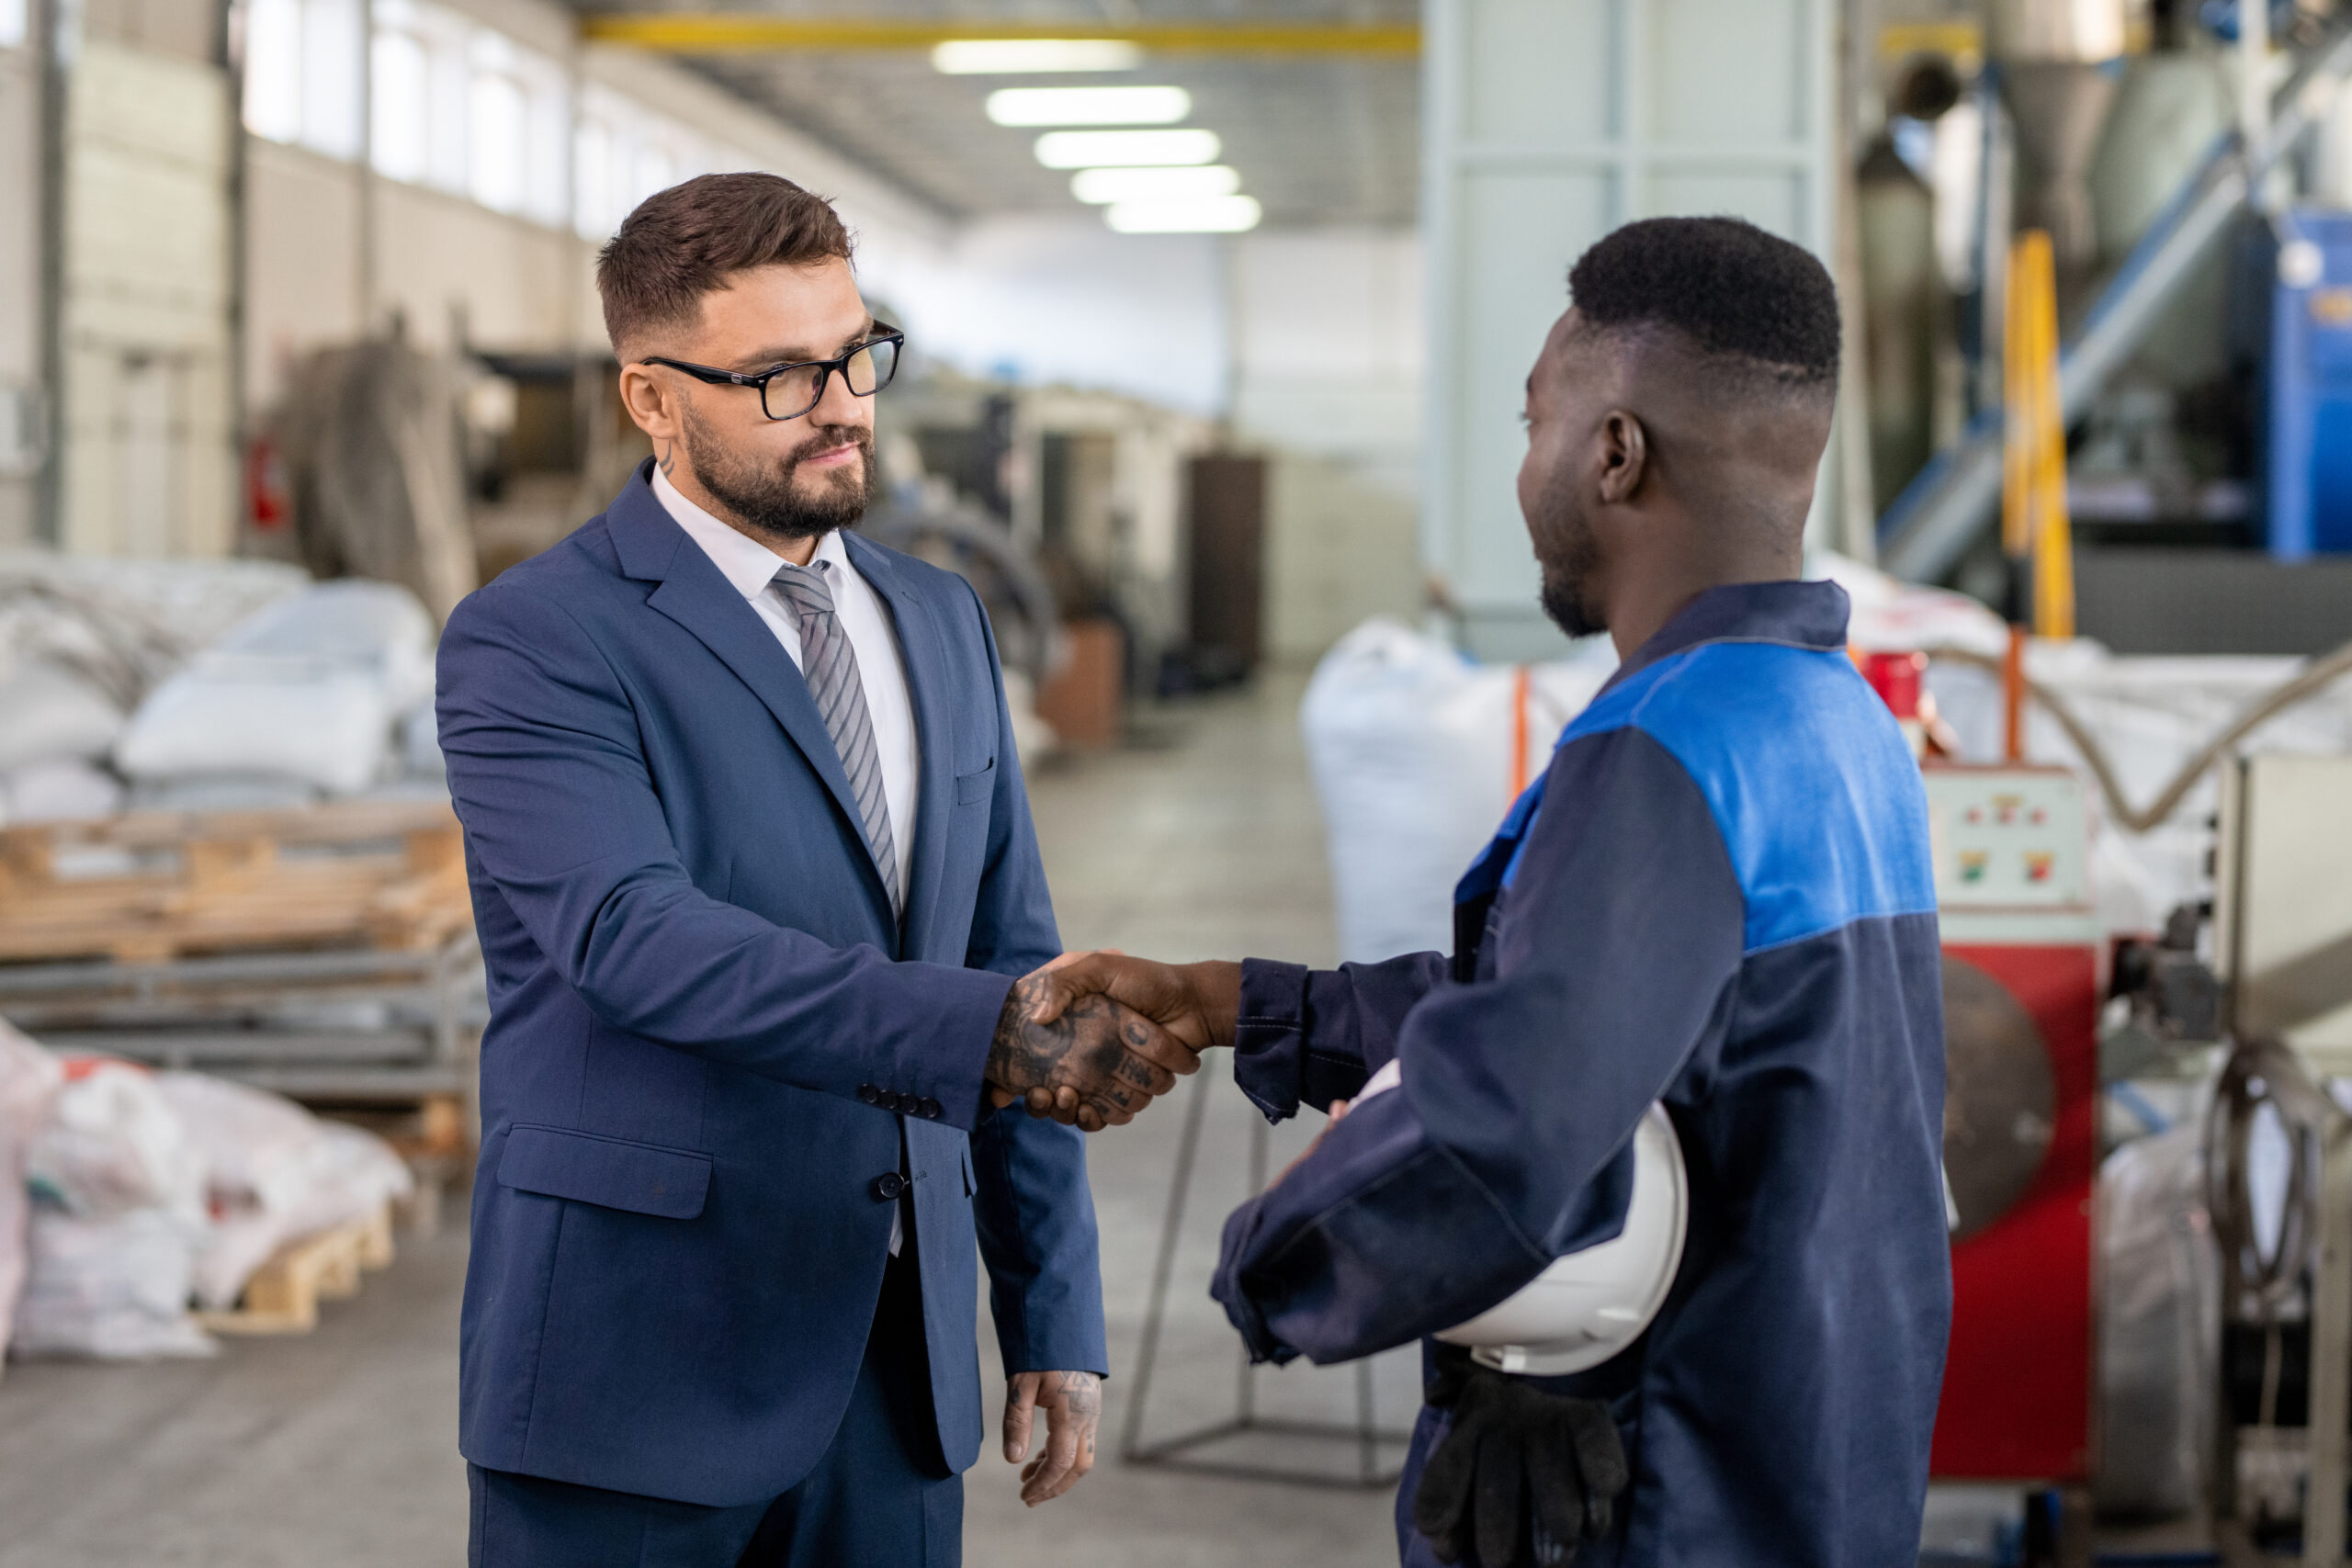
(825, 369)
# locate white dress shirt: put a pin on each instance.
(751, 566)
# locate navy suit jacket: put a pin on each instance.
(708, 1040)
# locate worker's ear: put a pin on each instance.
(1624, 457)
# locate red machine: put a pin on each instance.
(2024, 974)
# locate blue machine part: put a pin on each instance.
(2309, 418)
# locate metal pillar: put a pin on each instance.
(2331, 1398)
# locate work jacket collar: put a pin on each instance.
(1799, 614)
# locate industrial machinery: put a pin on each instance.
(2282, 934)
(2307, 458)
(2024, 975)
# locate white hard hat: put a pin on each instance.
(1590, 1304)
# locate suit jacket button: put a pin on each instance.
(869, 1093)
(931, 1108)
(888, 1185)
(893, 1101)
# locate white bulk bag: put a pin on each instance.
(60, 791)
(113, 1288)
(379, 627)
(49, 714)
(118, 1215)
(29, 1080)
(112, 1144)
(1412, 747)
(323, 724)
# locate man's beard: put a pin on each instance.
(762, 497)
(1568, 597)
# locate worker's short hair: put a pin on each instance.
(688, 240)
(1725, 286)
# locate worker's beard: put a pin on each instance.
(766, 497)
(1571, 565)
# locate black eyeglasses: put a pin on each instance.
(787, 391)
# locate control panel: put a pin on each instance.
(2008, 838)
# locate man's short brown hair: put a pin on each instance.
(686, 241)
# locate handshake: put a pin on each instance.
(1093, 1038)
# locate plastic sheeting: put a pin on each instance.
(274, 1173)
(29, 1080)
(2150, 715)
(2160, 1312)
(125, 624)
(117, 1216)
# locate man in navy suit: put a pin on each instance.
(754, 877)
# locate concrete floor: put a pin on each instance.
(337, 1449)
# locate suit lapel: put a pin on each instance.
(924, 655)
(692, 592)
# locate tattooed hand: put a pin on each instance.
(1073, 1406)
(1095, 1064)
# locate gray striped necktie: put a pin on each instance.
(829, 666)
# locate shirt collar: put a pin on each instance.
(1801, 614)
(748, 565)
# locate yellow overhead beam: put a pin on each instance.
(687, 32)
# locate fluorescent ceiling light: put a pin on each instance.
(1025, 56)
(1127, 149)
(1089, 106)
(1206, 215)
(1100, 186)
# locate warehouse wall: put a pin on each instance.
(20, 328)
(1308, 344)
(317, 275)
(1328, 335)
(147, 427)
(1547, 124)
(1329, 344)
(1060, 300)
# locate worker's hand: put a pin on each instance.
(1517, 1467)
(1090, 1063)
(1198, 1003)
(1073, 1406)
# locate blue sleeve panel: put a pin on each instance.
(1616, 939)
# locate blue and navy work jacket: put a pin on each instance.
(1718, 896)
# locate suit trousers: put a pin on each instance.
(882, 1496)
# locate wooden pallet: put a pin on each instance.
(173, 884)
(284, 1294)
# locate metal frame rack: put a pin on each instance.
(1181, 1452)
(365, 1025)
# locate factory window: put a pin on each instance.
(302, 72)
(397, 124)
(418, 91)
(623, 154)
(468, 111)
(13, 20)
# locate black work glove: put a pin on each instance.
(1514, 1450)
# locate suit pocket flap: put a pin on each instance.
(975, 786)
(643, 1179)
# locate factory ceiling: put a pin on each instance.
(1321, 128)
